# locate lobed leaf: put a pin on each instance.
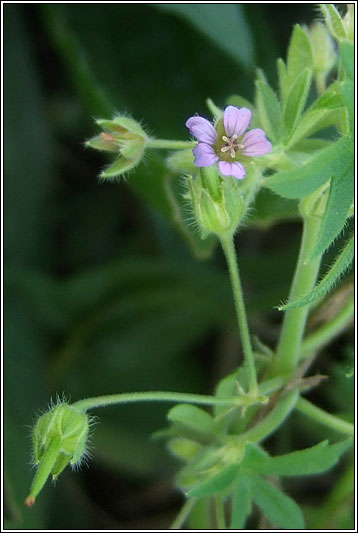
(299, 55)
(269, 110)
(341, 264)
(347, 55)
(241, 503)
(215, 484)
(314, 460)
(296, 100)
(347, 95)
(279, 508)
(299, 182)
(192, 417)
(311, 122)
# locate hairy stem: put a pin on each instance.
(150, 396)
(169, 145)
(230, 254)
(289, 345)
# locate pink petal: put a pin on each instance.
(204, 155)
(252, 136)
(255, 143)
(202, 129)
(236, 120)
(236, 170)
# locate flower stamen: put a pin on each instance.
(231, 144)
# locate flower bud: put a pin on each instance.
(124, 136)
(59, 438)
(217, 203)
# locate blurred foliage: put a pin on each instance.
(102, 293)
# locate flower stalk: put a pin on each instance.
(229, 251)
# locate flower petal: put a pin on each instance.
(255, 143)
(236, 120)
(236, 170)
(202, 129)
(204, 155)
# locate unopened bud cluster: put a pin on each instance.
(123, 136)
(59, 438)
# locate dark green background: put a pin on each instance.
(102, 293)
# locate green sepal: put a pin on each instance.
(99, 142)
(123, 125)
(119, 167)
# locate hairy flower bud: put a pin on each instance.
(217, 203)
(59, 438)
(124, 136)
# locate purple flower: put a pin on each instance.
(227, 142)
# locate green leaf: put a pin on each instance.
(279, 508)
(192, 417)
(311, 122)
(225, 24)
(347, 55)
(314, 460)
(330, 99)
(296, 100)
(347, 95)
(269, 110)
(298, 183)
(299, 56)
(333, 21)
(341, 264)
(284, 80)
(340, 199)
(241, 502)
(215, 484)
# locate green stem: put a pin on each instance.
(150, 396)
(321, 416)
(183, 514)
(169, 145)
(289, 345)
(219, 512)
(328, 331)
(273, 420)
(229, 251)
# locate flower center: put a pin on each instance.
(231, 145)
